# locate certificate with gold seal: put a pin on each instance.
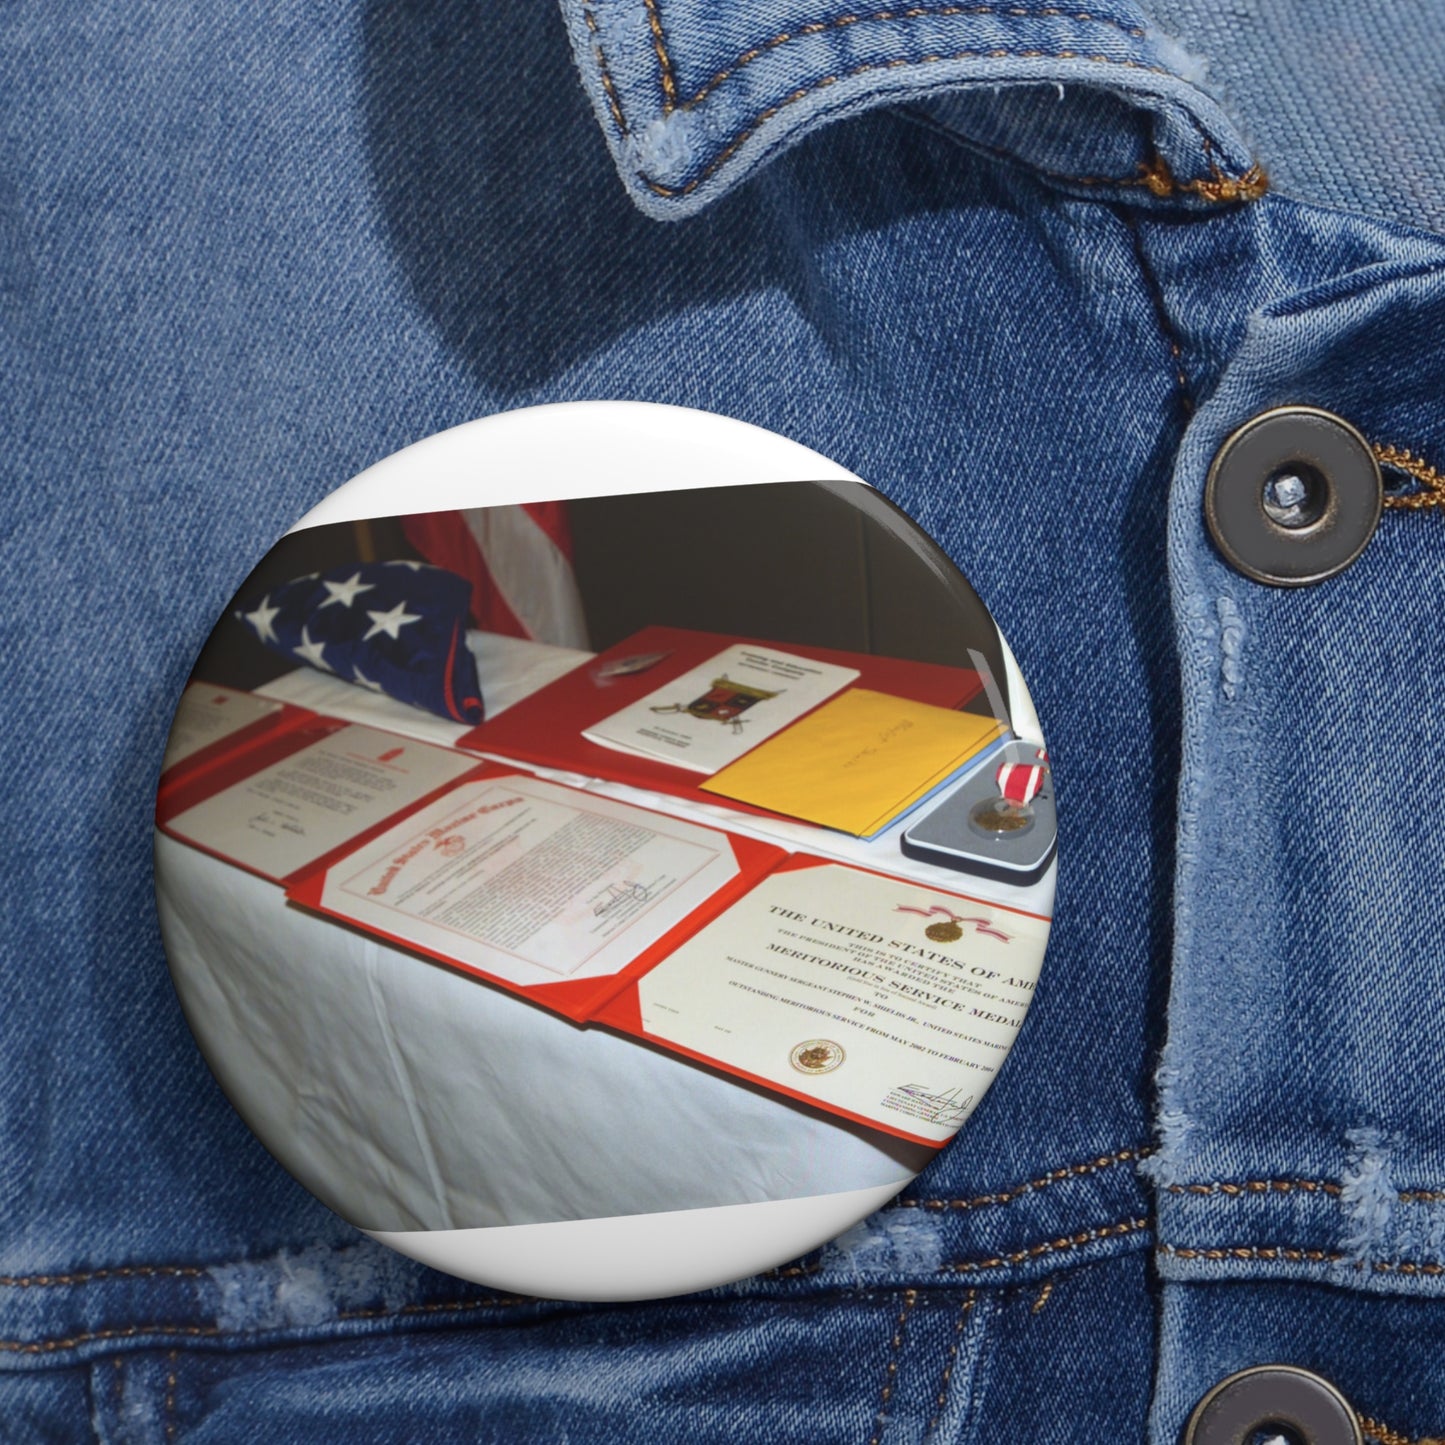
(870, 996)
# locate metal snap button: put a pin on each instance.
(1293, 496)
(1273, 1399)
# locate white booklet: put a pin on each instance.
(709, 717)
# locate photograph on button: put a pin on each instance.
(607, 856)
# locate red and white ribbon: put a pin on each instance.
(1020, 782)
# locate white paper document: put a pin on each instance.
(712, 715)
(206, 714)
(889, 1001)
(529, 881)
(288, 815)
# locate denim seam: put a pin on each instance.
(913, 12)
(1043, 1297)
(1431, 480)
(169, 1414)
(1021, 1256)
(614, 102)
(1054, 1176)
(890, 1376)
(1384, 1435)
(1153, 175)
(950, 1360)
(1162, 318)
(41, 1347)
(128, 1271)
(1157, 176)
(1297, 1255)
(1052, 1246)
(664, 59)
(1235, 1189)
(1219, 189)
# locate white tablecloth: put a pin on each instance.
(408, 1096)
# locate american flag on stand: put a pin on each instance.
(518, 560)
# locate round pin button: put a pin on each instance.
(1293, 496)
(570, 877)
(1280, 1399)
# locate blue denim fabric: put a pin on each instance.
(1026, 293)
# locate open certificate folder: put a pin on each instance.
(301, 793)
(867, 996)
(547, 890)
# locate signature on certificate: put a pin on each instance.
(617, 894)
(949, 1107)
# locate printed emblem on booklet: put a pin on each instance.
(597, 903)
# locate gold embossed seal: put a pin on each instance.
(816, 1056)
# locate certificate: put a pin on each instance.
(872, 997)
(530, 884)
(207, 714)
(283, 816)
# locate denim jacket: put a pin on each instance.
(1024, 268)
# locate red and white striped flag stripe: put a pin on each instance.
(519, 562)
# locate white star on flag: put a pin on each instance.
(312, 652)
(391, 622)
(346, 592)
(356, 676)
(262, 618)
(406, 562)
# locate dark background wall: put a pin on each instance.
(795, 562)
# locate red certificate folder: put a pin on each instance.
(812, 979)
(425, 885)
(216, 809)
(546, 728)
(828, 1020)
(205, 698)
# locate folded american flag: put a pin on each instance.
(395, 627)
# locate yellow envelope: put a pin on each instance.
(857, 762)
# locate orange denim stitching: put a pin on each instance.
(1386, 1436)
(1430, 479)
(913, 12)
(1053, 1246)
(1054, 1176)
(1252, 1251)
(170, 1403)
(128, 1271)
(910, 1298)
(1236, 1189)
(1233, 1190)
(970, 1299)
(1156, 175)
(802, 93)
(1296, 1255)
(613, 102)
(664, 60)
